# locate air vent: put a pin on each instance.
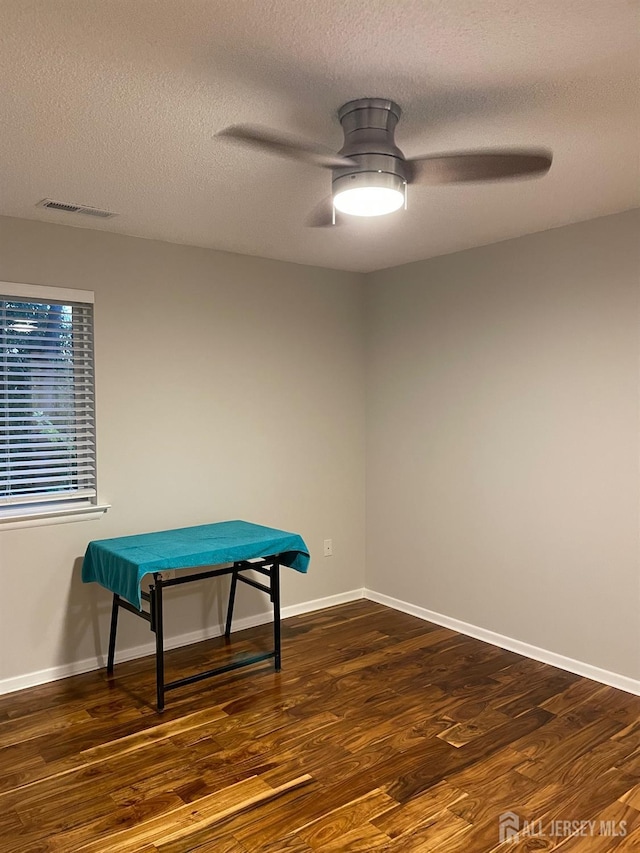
(66, 207)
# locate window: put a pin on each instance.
(47, 414)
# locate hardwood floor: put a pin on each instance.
(382, 733)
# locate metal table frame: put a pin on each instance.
(268, 566)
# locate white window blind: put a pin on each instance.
(47, 416)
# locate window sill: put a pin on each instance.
(60, 515)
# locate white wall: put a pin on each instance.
(227, 387)
(502, 467)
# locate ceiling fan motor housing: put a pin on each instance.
(369, 125)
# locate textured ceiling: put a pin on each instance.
(115, 104)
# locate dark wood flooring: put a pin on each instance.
(382, 733)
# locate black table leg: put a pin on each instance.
(275, 595)
(155, 591)
(232, 598)
(112, 635)
(154, 597)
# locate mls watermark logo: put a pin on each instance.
(509, 823)
(512, 827)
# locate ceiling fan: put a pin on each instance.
(370, 172)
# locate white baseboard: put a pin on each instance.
(44, 676)
(604, 676)
(613, 679)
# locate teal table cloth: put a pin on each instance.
(120, 564)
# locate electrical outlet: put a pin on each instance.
(328, 547)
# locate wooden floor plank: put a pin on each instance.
(403, 818)
(382, 733)
(330, 828)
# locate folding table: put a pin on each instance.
(234, 547)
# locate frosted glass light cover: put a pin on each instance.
(368, 201)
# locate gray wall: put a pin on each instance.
(502, 449)
(502, 466)
(228, 387)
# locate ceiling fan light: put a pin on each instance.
(368, 201)
(368, 193)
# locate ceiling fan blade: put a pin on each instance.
(322, 215)
(478, 166)
(284, 145)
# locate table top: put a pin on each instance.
(120, 564)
